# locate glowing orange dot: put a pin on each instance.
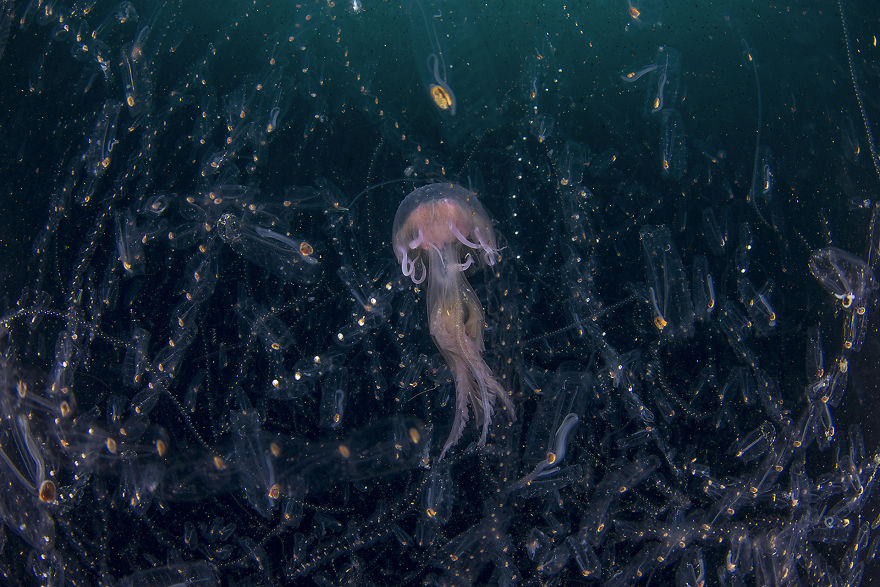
(305, 249)
(441, 96)
(48, 492)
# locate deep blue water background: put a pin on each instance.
(356, 131)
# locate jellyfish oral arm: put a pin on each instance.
(455, 320)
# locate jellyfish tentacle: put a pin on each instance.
(418, 280)
(490, 251)
(461, 237)
(468, 261)
(417, 242)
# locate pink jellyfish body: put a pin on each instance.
(440, 230)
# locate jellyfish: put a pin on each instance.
(441, 230)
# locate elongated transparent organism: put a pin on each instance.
(668, 288)
(845, 276)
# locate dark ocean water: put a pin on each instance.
(215, 371)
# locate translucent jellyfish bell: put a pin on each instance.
(440, 230)
(446, 219)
